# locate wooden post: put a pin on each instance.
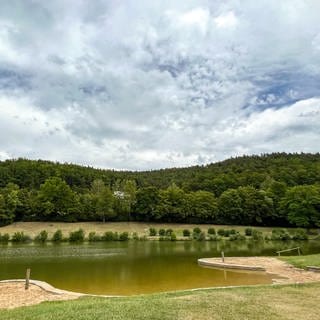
(222, 256)
(299, 251)
(27, 279)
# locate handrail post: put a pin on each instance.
(27, 279)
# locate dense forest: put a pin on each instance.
(272, 189)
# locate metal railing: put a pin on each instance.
(286, 250)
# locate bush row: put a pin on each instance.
(168, 234)
(75, 236)
(232, 234)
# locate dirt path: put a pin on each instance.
(13, 294)
(285, 272)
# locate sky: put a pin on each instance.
(143, 84)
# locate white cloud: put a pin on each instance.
(226, 20)
(142, 85)
(195, 18)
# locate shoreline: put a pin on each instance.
(13, 293)
(285, 273)
(205, 262)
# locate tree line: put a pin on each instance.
(276, 189)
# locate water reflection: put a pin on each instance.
(136, 267)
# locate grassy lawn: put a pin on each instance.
(303, 261)
(256, 303)
(142, 228)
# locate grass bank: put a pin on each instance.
(256, 303)
(124, 231)
(141, 228)
(303, 261)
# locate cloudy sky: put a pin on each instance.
(150, 84)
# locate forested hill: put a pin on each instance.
(292, 169)
(248, 189)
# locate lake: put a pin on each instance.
(127, 268)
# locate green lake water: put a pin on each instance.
(127, 268)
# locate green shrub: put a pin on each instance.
(199, 236)
(237, 236)
(168, 232)
(152, 232)
(248, 232)
(173, 236)
(143, 238)
(221, 232)
(280, 234)
(42, 236)
(162, 232)
(20, 237)
(285, 236)
(257, 235)
(76, 236)
(233, 237)
(227, 233)
(197, 230)
(4, 238)
(300, 234)
(275, 234)
(124, 236)
(135, 236)
(275, 237)
(313, 232)
(108, 236)
(57, 236)
(92, 237)
(186, 233)
(211, 231)
(233, 231)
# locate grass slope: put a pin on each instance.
(303, 261)
(256, 303)
(142, 228)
